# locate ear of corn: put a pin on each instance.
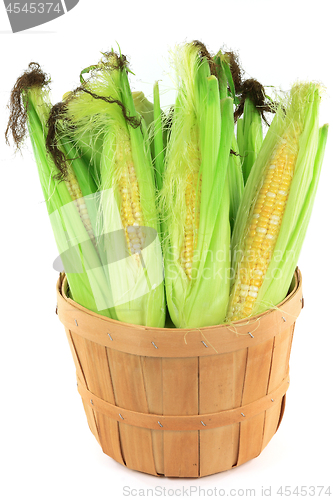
(288, 254)
(76, 174)
(128, 215)
(195, 196)
(276, 206)
(63, 201)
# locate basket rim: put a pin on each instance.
(179, 342)
(62, 286)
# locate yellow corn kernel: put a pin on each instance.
(130, 205)
(77, 197)
(263, 227)
(192, 203)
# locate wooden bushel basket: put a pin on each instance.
(182, 402)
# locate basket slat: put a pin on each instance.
(257, 372)
(153, 380)
(94, 362)
(180, 397)
(220, 378)
(279, 369)
(129, 390)
(90, 414)
(95, 367)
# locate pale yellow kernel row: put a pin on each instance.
(131, 211)
(262, 229)
(192, 198)
(79, 201)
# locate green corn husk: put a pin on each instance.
(224, 75)
(144, 107)
(299, 118)
(105, 104)
(81, 168)
(199, 146)
(235, 174)
(159, 145)
(235, 181)
(153, 118)
(82, 148)
(30, 96)
(249, 136)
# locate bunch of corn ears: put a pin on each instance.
(196, 214)
(92, 150)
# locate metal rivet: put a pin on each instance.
(159, 423)
(204, 343)
(251, 335)
(76, 322)
(242, 414)
(284, 319)
(272, 400)
(110, 336)
(121, 416)
(91, 402)
(203, 423)
(154, 345)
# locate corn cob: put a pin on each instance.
(192, 203)
(131, 211)
(79, 202)
(264, 225)
(286, 165)
(195, 196)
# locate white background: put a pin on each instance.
(47, 448)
